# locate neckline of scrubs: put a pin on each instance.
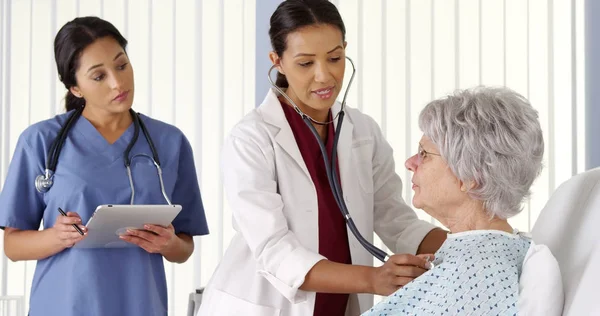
(99, 144)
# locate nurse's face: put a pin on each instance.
(105, 77)
(313, 63)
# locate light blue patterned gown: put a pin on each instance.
(475, 273)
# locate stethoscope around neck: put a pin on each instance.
(330, 168)
(44, 182)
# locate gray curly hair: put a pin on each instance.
(491, 136)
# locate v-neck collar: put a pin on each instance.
(98, 144)
(306, 141)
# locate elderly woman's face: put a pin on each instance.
(436, 188)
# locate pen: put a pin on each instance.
(75, 226)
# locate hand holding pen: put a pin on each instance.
(69, 230)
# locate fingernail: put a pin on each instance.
(146, 227)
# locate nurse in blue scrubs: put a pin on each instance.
(94, 67)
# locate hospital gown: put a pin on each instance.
(475, 273)
(90, 172)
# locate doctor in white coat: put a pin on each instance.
(292, 254)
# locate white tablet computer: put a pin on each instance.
(110, 221)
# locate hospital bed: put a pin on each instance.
(194, 302)
(569, 226)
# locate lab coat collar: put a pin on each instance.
(272, 114)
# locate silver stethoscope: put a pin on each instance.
(43, 182)
(330, 169)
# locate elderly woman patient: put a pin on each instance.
(480, 152)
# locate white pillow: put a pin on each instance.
(540, 286)
(585, 299)
(568, 225)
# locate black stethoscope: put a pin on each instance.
(330, 169)
(43, 182)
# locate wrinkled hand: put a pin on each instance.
(397, 271)
(154, 239)
(66, 234)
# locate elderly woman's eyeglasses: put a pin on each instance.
(422, 154)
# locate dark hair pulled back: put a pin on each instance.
(292, 15)
(70, 41)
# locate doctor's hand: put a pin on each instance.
(66, 234)
(396, 272)
(154, 239)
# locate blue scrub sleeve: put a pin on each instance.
(21, 205)
(191, 220)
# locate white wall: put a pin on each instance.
(410, 52)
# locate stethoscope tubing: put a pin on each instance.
(330, 167)
(44, 182)
(332, 177)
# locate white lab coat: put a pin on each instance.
(275, 213)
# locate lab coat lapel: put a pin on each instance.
(344, 151)
(348, 179)
(273, 114)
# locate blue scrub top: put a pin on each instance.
(90, 172)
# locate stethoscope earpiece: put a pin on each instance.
(292, 103)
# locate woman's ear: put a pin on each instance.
(466, 186)
(76, 92)
(276, 60)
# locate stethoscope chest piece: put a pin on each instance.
(43, 182)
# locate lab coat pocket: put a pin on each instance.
(225, 304)
(363, 156)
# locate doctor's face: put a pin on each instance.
(105, 77)
(313, 63)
